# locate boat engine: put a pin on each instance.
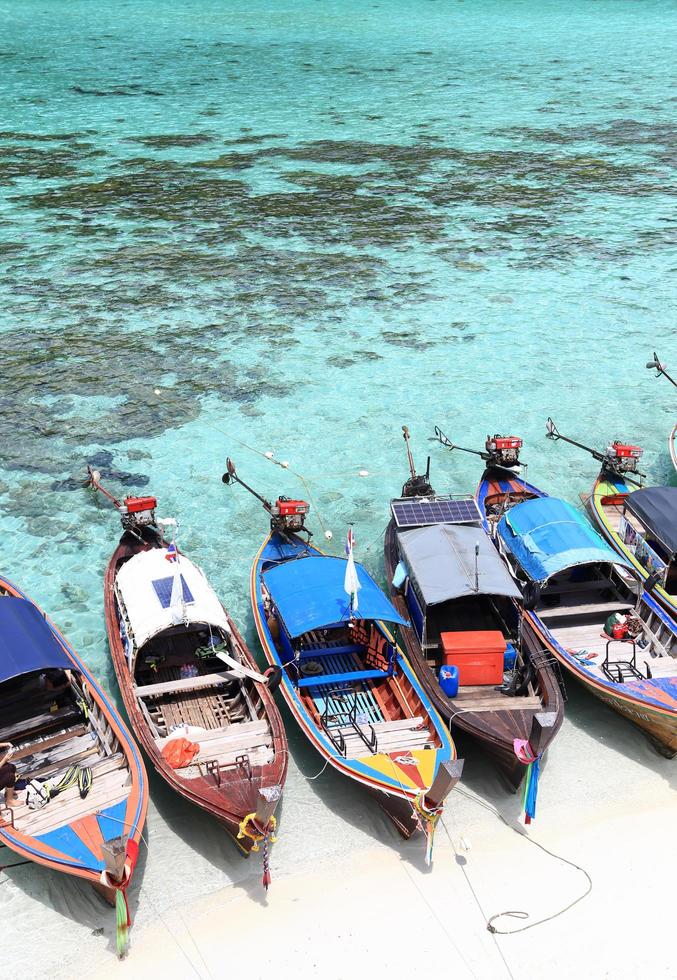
(504, 451)
(289, 515)
(137, 512)
(622, 458)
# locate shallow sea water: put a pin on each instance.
(298, 226)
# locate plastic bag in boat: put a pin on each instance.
(179, 752)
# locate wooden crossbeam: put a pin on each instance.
(40, 745)
(183, 684)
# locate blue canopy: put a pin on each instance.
(547, 535)
(309, 594)
(27, 642)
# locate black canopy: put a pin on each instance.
(656, 508)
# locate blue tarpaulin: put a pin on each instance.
(27, 642)
(547, 535)
(309, 594)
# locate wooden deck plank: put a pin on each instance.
(34, 747)
(67, 806)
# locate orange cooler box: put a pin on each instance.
(478, 654)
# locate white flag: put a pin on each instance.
(351, 583)
(176, 604)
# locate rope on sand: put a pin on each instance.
(511, 913)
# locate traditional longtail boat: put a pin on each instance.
(586, 605)
(662, 370)
(195, 699)
(326, 627)
(446, 575)
(86, 789)
(639, 522)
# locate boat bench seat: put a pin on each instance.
(183, 684)
(235, 730)
(354, 675)
(52, 759)
(585, 609)
(39, 723)
(35, 746)
(404, 734)
(226, 745)
(329, 651)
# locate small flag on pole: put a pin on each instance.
(351, 582)
(172, 554)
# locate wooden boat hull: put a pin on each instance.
(396, 789)
(650, 707)
(237, 794)
(606, 514)
(75, 848)
(494, 729)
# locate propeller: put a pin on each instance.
(660, 368)
(230, 476)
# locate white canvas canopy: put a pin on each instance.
(155, 598)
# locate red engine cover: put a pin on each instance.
(289, 508)
(136, 504)
(507, 442)
(625, 451)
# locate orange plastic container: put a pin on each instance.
(478, 654)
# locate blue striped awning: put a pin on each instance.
(547, 535)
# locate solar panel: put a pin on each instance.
(163, 590)
(422, 511)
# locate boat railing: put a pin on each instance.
(346, 719)
(620, 671)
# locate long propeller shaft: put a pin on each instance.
(552, 432)
(446, 441)
(230, 476)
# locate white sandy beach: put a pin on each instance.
(349, 898)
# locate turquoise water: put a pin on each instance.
(299, 226)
